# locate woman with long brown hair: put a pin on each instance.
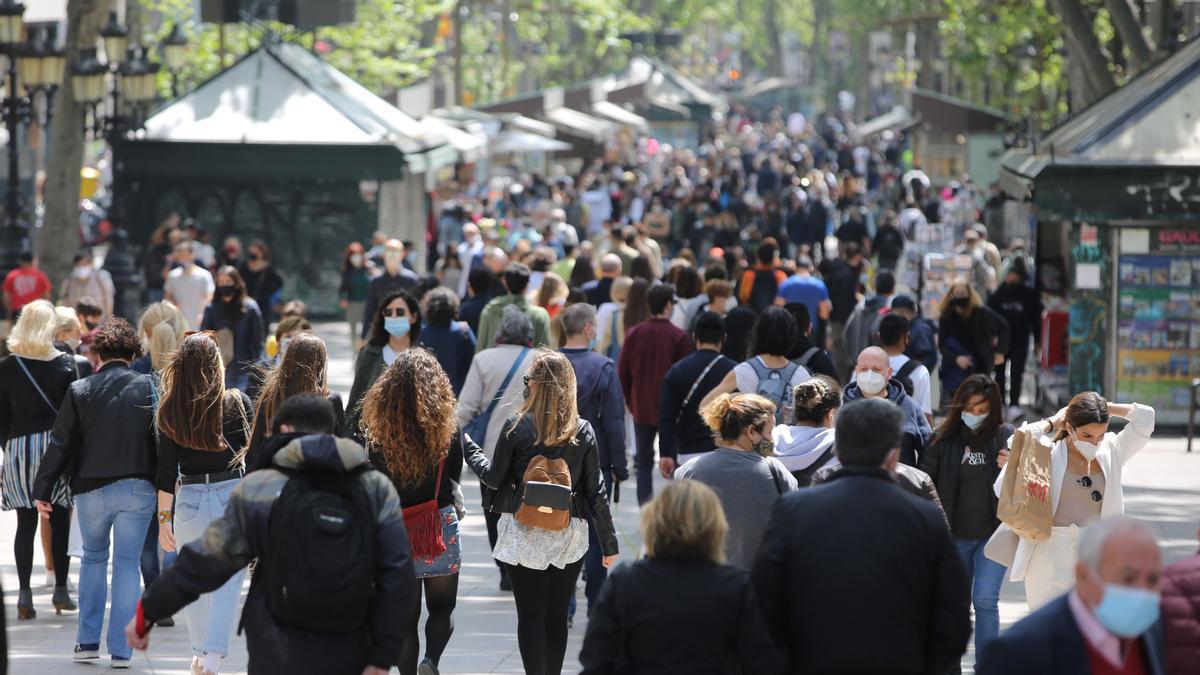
(543, 564)
(202, 426)
(303, 370)
(395, 327)
(413, 437)
(238, 322)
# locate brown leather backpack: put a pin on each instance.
(546, 503)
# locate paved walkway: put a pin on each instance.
(1163, 487)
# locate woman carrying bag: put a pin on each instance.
(1086, 466)
(546, 473)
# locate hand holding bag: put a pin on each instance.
(1026, 477)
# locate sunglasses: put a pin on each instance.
(394, 311)
(1086, 482)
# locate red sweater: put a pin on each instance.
(649, 351)
(1181, 616)
(1135, 664)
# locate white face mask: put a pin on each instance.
(74, 343)
(81, 272)
(870, 382)
(1088, 450)
(356, 259)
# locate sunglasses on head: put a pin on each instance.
(209, 333)
(394, 311)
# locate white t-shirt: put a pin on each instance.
(190, 292)
(389, 355)
(747, 378)
(599, 209)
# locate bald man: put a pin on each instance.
(873, 379)
(1108, 624)
(598, 291)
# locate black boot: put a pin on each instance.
(62, 600)
(25, 609)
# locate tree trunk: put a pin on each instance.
(59, 238)
(1163, 27)
(818, 51)
(1141, 52)
(1084, 48)
(927, 44)
(775, 46)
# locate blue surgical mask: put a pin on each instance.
(1126, 611)
(592, 344)
(396, 326)
(973, 422)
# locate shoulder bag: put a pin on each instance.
(477, 427)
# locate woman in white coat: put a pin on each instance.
(1086, 465)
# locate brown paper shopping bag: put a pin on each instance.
(1028, 465)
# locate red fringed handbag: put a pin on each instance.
(424, 523)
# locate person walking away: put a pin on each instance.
(395, 277)
(922, 334)
(682, 591)
(450, 339)
(491, 393)
(479, 282)
(189, 286)
(1021, 307)
(899, 542)
(162, 328)
(23, 285)
(543, 564)
(68, 338)
(862, 328)
(470, 254)
(87, 282)
(650, 349)
(683, 434)
(846, 278)
(804, 352)
(1106, 624)
(238, 322)
(345, 625)
(804, 288)
(395, 327)
(768, 372)
(35, 378)
(414, 439)
(742, 470)
(516, 280)
(888, 244)
(873, 379)
(806, 446)
(611, 319)
(202, 429)
(759, 285)
(972, 337)
(1086, 476)
(1181, 616)
(961, 460)
(894, 335)
(103, 444)
(599, 291)
(304, 369)
(352, 293)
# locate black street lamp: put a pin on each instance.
(33, 67)
(117, 93)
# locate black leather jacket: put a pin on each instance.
(505, 472)
(22, 409)
(104, 432)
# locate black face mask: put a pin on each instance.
(253, 257)
(91, 325)
(960, 302)
(227, 292)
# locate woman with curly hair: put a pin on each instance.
(202, 427)
(303, 370)
(412, 436)
(543, 564)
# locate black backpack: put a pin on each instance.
(318, 569)
(765, 289)
(903, 374)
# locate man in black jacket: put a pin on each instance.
(681, 433)
(1021, 306)
(104, 445)
(598, 291)
(244, 532)
(860, 549)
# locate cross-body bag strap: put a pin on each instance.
(437, 487)
(688, 399)
(504, 385)
(38, 387)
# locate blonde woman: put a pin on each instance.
(68, 336)
(33, 381)
(162, 328)
(680, 609)
(972, 337)
(542, 564)
(742, 469)
(610, 317)
(552, 294)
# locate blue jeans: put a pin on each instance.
(154, 559)
(213, 616)
(986, 578)
(123, 511)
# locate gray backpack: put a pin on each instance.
(775, 385)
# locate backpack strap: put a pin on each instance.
(816, 466)
(504, 385)
(687, 399)
(34, 382)
(907, 369)
(807, 356)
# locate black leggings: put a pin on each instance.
(542, 598)
(441, 594)
(60, 533)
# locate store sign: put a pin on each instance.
(1178, 240)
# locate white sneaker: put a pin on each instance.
(120, 664)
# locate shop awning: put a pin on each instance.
(470, 147)
(517, 141)
(898, 118)
(615, 113)
(580, 124)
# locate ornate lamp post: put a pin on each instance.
(117, 93)
(33, 73)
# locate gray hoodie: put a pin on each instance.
(799, 447)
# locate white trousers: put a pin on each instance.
(1051, 571)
